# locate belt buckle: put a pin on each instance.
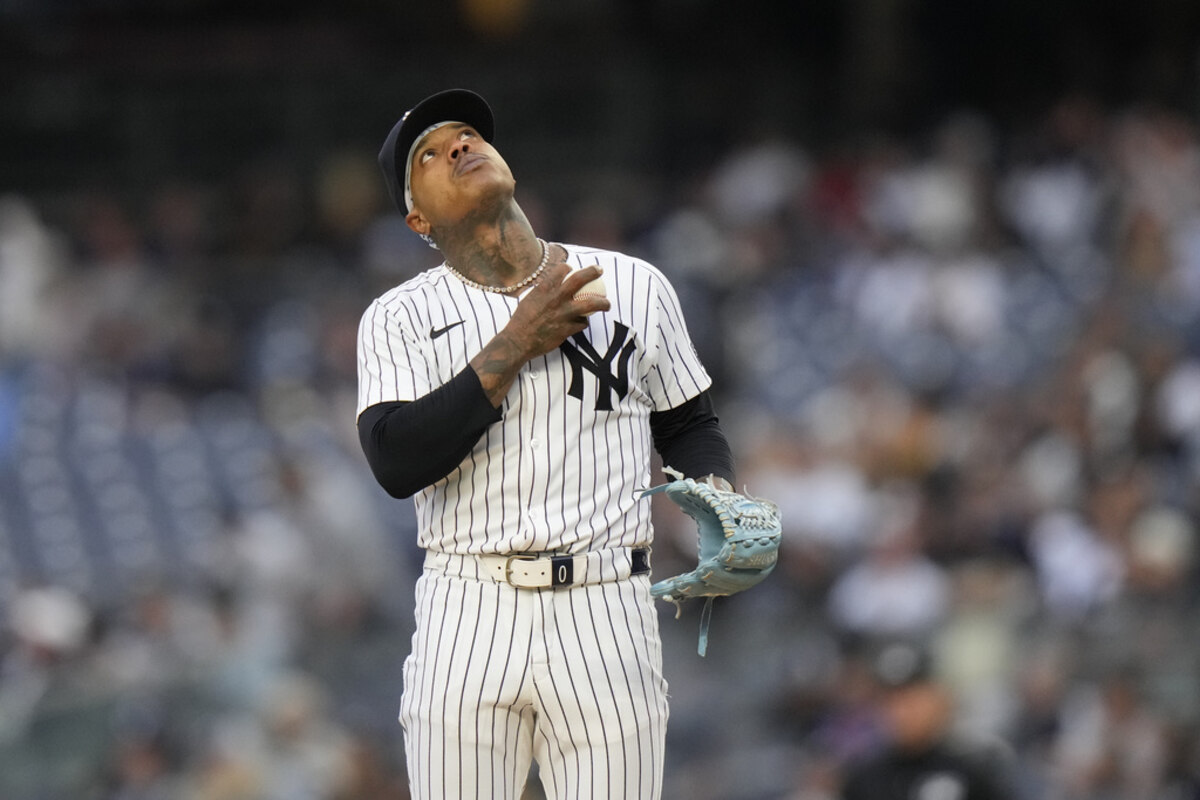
(508, 562)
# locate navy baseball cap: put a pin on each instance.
(452, 105)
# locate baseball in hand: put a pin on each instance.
(594, 288)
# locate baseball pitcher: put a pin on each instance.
(516, 392)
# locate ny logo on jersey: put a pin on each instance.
(583, 356)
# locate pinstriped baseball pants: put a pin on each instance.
(571, 677)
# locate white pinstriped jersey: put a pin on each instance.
(560, 471)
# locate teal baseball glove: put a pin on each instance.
(739, 544)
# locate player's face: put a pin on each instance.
(455, 173)
(917, 715)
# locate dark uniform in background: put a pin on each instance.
(922, 759)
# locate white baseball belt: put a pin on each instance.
(548, 570)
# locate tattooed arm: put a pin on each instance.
(543, 320)
(411, 445)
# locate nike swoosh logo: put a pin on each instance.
(436, 332)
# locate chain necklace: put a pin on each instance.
(506, 289)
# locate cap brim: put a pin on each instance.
(457, 105)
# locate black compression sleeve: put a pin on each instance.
(411, 445)
(689, 439)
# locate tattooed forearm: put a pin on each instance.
(497, 366)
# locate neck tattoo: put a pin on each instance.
(506, 289)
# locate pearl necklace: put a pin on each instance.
(505, 289)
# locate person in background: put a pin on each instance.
(921, 757)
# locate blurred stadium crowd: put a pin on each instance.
(964, 364)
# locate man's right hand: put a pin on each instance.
(543, 320)
(549, 313)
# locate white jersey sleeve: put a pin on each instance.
(391, 361)
(675, 374)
